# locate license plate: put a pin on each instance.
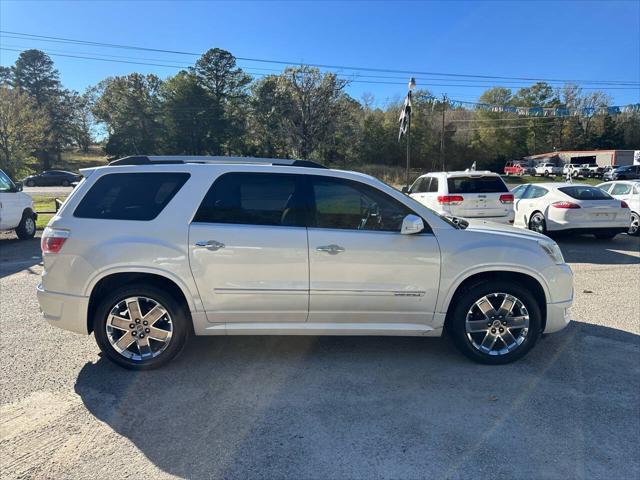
(601, 215)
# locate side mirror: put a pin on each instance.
(18, 186)
(405, 190)
(411, 224)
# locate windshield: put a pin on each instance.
(6, 185)
(585, 192)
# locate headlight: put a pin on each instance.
(553, 250)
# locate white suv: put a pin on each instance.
(148, 250)
(470, 195)
(546, 169)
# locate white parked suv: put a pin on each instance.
(16, 209)
(148, 250)
(470, 195)
(546, 169)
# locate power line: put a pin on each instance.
(354, 75)
(376, 82)
(11, 34)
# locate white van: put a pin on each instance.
(16, 209)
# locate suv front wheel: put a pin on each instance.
(140, 327)
(495, 322)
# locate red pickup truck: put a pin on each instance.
(515, 168)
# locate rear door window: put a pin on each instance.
(488, 184)
(536, 192)
(518, 192)
(621, 189)
(585, 192)
(254, 199)
(420, 185)
(130, 196)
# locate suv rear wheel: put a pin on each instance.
(140, 327)
(495, 322)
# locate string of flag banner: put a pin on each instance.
(405, 112)
(543, 111)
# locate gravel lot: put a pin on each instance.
(328, 407)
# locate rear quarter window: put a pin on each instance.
(583, 192)
(488, 184)
(130, 196)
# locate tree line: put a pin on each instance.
(216, 108)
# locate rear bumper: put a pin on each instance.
(506, 220)
(592, 230)
(68, 312)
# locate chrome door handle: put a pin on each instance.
(331, 249)
(210, 245)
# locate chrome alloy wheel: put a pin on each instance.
(536, 223)
(635, 224)
(497, 324)
(139, 328)
(30, 226)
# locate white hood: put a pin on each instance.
(500, 229)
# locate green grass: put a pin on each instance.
(72, 160)
(45, 203)
(75, 160)
(517, 180)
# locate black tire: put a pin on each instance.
(537, 223)
(30, 183)
(605, 236)
(65, 183)
(180, 326)
(634, 227)
(463, 304)
(546, 174)
(26, 230)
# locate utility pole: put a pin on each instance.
(408, 145)
(443, 162)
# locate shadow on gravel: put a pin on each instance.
(375, 407)
(17, 255)
(621, 250)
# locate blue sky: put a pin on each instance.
(586, 40)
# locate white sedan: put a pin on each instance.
(629, 192)
(570, 208)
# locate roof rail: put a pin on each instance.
(181, 159)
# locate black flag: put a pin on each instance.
(405, 115)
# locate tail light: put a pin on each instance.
(565, 205)
(506, 198)
(450, 199)
(53, 239)
(624, 204)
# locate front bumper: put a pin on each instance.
(68, 312)
(557, 316)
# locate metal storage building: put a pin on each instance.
(602, 157)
